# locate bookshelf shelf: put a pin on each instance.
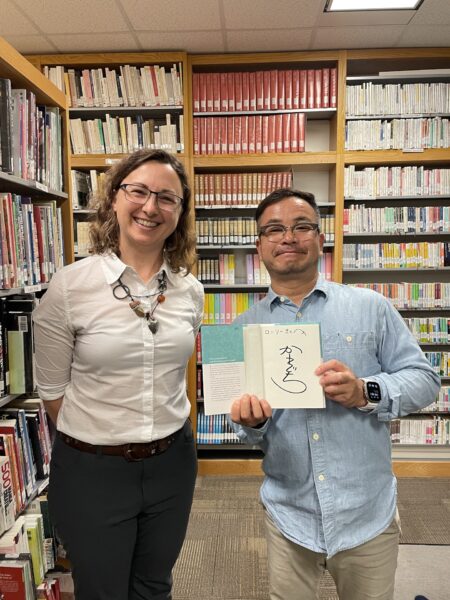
(100, 161)
(396, 157)
(389, 117)
(12, 183)
(99, 111)
(322, 160)
(311, 113)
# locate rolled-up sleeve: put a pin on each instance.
(54, 341)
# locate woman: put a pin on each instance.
(114, 333)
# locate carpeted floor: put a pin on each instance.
(224, 555)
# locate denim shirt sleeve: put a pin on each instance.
(408, 382)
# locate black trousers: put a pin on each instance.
(122, 523)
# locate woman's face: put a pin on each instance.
(147, 226)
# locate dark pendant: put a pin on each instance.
(152, 325)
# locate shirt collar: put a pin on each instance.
(321, 287)
(113, 268)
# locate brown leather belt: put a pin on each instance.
(131, 452)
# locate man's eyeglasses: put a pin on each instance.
(139, 194)
(276, 232)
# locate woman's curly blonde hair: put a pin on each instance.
(179, 249)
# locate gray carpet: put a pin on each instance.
(224, 555)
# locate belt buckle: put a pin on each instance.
(129, 455)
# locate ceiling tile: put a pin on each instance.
(426, 35)
(268, 40)
(433, 12)
(248, 14)
(327, 38)
(196, 42)
(30, 44)
(13, 20)
(100, 42)
(82, 16)
(173, 15)
(367, 17)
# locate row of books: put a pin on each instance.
(123, 135)
(84, 186)
(149, 85)
(254, 134)
(275, 89)
(413, 295)
(31, 240)
(432, 330)
(224, 231)
(411, 255)
(397, 99)
(395, 182)
(225, 270)
(359, 218)
(30, 138)
(440, 361)
(397, 134)
(214, 429)
(237, 189)
(222, 309)
(442, 403)
(435, 431)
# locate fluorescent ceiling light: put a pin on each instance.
(359, 5)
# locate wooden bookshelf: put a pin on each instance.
(322, 167)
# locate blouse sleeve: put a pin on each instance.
(54, 341)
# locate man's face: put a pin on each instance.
(295, 255)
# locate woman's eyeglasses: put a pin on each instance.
(140, 194)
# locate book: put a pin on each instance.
(275, 362)
(7, 502)
(16, 579)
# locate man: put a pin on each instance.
(329, 492)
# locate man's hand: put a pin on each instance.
(250, 410)
(340, 384)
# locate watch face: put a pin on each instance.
(373, 391)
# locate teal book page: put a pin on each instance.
(223, 367)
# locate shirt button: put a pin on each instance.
(321, 477)
(282, 299)
(316, 436)
(299, 314)
(349, 338)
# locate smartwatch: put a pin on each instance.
(372, 395)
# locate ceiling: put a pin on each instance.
(211, 26)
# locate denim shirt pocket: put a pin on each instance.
(357, 349)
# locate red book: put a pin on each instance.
(202, 136)
(273, 90)
(246, 91)
(196, 136)
(238, 91)
(234, 189)
(288, 89)
(223, 92)
(310, 96)
(209, 92)
(286, 131)
(196, 91)
(252, 90)
(258, 134)
(295, 89)
(223, 135)
(12, 579)
(281, 90)
(318, 88)
(271, 133)
(209, 135)
(259, 90)
(301, 131)
(303, 89)
(216, 135)
(266, 90)
(325, 88)
(294, 133)
(333, 88)
(237, 135)
(216, 91)
(278, 133)
(244, 134)
(265, 134)
(38, 222)
(230, 135)
(230, 91)
(202, 92)
(251, 135)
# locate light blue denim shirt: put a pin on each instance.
(328, 481)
